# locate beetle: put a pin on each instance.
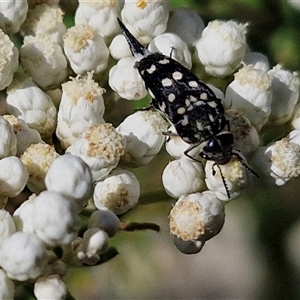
(189, 104)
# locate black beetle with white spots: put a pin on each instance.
(189, 104)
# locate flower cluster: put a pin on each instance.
(67, 77)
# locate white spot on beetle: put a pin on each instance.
(177, 75)
(181, 110)
(164, 61)
(193, 84)
(203, 96)
(212, 104)
(171, 97)
(166, 82)
(185, 121)
(152, 69)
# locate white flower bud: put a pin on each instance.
(23, 256)
(77, 181)
(94, 242)
(246, 138)
(176, 146)
(24, 134)
(50, 287)
(197, 216)
(188, 247)
(145, 19)
(85, 49)
(294, 136)
(257, 60)
(221, 47)
(101, 147)
(251, 93)
(233, 175)
(106, 220)
(118, 192)
(100, 15)
(296, 117)
(126, 80)
(13, 14)
(44, 61)
(285, 88)
(13, 177)
(7, 226)
(23, 215)
(8, 141)
(45, 19)
(28, 102)
(183, 177)
(9, 61)
(172, 45)
(7, 287)
(187, 24)
(119, 48)
(81, 106)
(37, 158)
(55, 95)
(280, 160)
(55, 220)
(143, 133)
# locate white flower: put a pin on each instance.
(8, 140)
(44, 61)
(100, 15)
(13, 177)
(183, 177)
(106, 220)
(246, 138)
(7, 226)
(126, 80)
(285, 88)
(28, 102)
(50, 287)
(280, 160)
(251, 93)
(197, 216)
(221, 47)
(101, 147)
(94, 241)
(81, 106)
(232, 174)
(257, 60)
(55, 220)
(176, 146)
(145, 19)
(172, 45)
(45, 19)
(23, 256)
(187, 24)
(143, 133)
(85, 49)
(77, 181)
(37, 158)
(13, 14)
(9, 60)
(119, 191)
(24, 134)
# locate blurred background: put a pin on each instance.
(257, 254)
